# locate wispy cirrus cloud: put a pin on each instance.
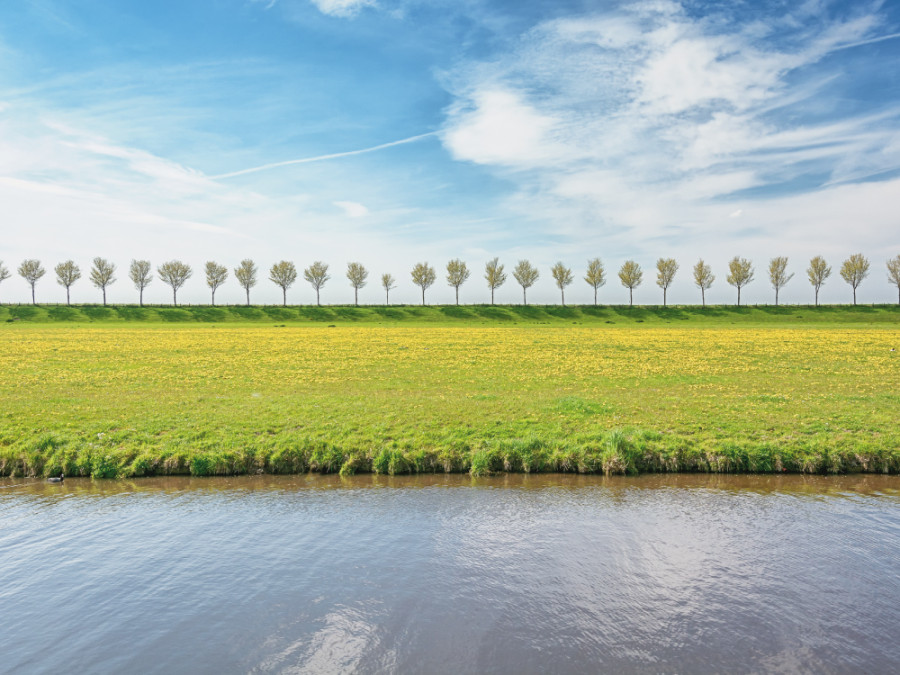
(352, 209)
(339, 8)
(644, 121)
(70, 192)
(343, 8)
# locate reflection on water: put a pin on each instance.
(451, 574)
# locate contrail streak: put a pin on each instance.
(870, 41)
(307, 160)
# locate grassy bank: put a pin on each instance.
(619, 452)
(717, 393)
(454, 315)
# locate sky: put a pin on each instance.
(391, 132)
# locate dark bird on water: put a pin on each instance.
(57, 479)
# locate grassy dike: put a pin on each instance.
(453, 314)
(126, 391)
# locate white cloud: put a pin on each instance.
(353, 209)
(682, 72)
(500, 129)
(342, 8)
(644, 128)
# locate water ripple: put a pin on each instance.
(440, 574)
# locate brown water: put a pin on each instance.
(518, 574)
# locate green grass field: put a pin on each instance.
(453, 314)
(126, 391)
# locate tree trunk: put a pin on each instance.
(595, 296)
(703, 295)
(739, 296)
(104, 296)
(492, 295)
(34, 303)
(318, 304)
(562, 292)
(68, 302)
(174, 296)
(630, 297)
(854, 296)
(776, 297)
(248, 296)
(387, 297)
(423, 296)
(214, 297)
(356, 296)
(141, 297)
(284, 296)
(524, 297)
(817, 296)
(457, 295)
(664, 297)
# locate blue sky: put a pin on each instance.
(543, 130)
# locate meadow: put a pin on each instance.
(127, 391)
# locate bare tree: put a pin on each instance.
(283, 274)
(246, 275)
(31, 270)
(317, 274)
(778, 275)
(357, 274)
(494, 276)
(216, 275)
(631, 275)
(893, 266)
(665, 274)
(703, 278)
(562, 275)
(67, 273)
(818, 272)
(388, 283)
(457, 274)
(740, 273)
(854, 270)
(526, 274)
(595, 276)
(139, 273)
(423, 275)
(103, 273)
(4, 273)
(174, 273)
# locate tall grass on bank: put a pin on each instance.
(617, 452)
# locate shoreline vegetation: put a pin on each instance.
(123, 391)
(620, 452)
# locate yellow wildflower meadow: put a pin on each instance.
(150, 388)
